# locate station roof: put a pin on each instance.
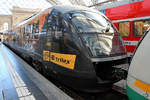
(6, 5)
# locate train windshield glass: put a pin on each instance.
(103, 45)
(97, 33)
(91, 22)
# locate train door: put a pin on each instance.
(43, 43)
(52, 33)
(70, 36)
(54, 36)
(35, 36)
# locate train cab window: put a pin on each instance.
(140, 27)
(124, 29)
(90, 22)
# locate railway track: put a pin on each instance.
(116, 93)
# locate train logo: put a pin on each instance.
(65, 60)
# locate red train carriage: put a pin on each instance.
(132, 20)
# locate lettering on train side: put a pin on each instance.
(62, 60)
(65, 60)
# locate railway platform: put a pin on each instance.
(19, 81)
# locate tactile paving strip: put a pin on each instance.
(21, 88)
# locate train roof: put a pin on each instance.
(61, 8)
(67, 8)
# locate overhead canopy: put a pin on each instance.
(6, 5)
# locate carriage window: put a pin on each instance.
(22, 30)
(35, 27)
(140, 27)
(28, 28)
(124, 29)
(44, 28)
(35, 30)
(54, 26)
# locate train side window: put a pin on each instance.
(44, 28)
(140, 27)
(28, 29)
(124, 29)
(54, 26)
(35, 30)
(27, 32)
(22, 31)
(58, 30)
(50, 31)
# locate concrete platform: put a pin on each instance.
(19, 81)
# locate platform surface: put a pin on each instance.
(19, 81)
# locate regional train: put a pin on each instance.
(132, 20)
(76, 45)
(138, 82)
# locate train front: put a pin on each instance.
(102, 59)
